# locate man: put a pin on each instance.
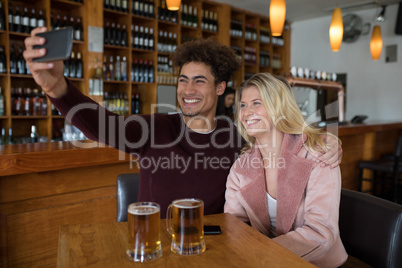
(188, 154)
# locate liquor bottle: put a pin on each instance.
(43, 102)
(124, 36)
(135, 104)
(41, 21)
(52, 22)
(141, 8)
(112, 4)
(28, 102)
(57, 24)
(72, 65)
(161, 11)
(2, 18)
(3, 64)
(136, 43)
(145, 72)
(141, 71)
(117, 42)
(64, 21)
(151, 39)
(151, 74)
(19, 102)
(183, 9)
(107, 35)
(21, 65)
(33, 22)
(141, 38)
(215, 22)
(146, 8)
(118, 5)
(78, 30)
(134, 67)
(111, 69)
(124, 6)
(124, 69)
(3, 138)
(10, 19)
(136, 7)
(10, 138)
(78, 66)
(13, 61)
(34, 134)
(36, 104)
(66, 68)
(17, 20)
(112, 40)
(195, 18)
(151, 9)
(1, 103)
(146, 39)
(117, 73)
(106, 3)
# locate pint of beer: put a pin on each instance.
(185, 222)
(144, 243)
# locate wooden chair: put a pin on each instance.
(371, 229)
(390, 170)
(127, 192)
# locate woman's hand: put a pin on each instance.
(332, 157)
(48, 75)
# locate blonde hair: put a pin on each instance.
(279, 100)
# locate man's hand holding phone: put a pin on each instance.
(49, 74)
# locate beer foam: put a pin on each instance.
(143, 210)
(187, 203)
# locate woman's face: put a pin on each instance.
(229, 100)
(253, 114)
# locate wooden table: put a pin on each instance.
(239, 245)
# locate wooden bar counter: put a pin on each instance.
(46, 185)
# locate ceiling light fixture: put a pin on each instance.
(173, 4)
(336, 30)
(381, 16)
(277, 15)
(376, 43)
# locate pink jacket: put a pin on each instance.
(307, 202)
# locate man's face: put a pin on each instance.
(196, 90)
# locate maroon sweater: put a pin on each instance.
(175, 162)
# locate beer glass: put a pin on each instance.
(185, 222)
(144, 243)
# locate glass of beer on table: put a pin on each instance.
(185, 222)
(144, 242)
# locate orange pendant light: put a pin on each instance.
(376, 43)
(336, 30)
(277, 14)
(173, 4)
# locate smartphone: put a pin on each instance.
(212, 229)
(59, 44)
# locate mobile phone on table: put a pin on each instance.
(59, 44)
(212, 229)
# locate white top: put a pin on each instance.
(272, 214)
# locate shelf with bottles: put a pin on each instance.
(143, 36)
(143, 9)
(209, 17)
(116, 101)
(23, 16)
(68, 17)
(166, 16)
(30, 130)
(142, 70)
(167, 41)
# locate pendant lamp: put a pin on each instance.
(277, 14)
(336, 30)
(173, 4)
(376, 43)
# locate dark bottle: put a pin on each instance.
(25, 21)
(135, 71)
(1, 103)
(3, 139)
(52, 22)
(106, 3)
(64, 22)
(145, 72)
(118, 35)
(17, 20)
(72, 65)
(18, 102)
(118, 5)
(36, 104)
(141, 71)
(66, 68)
(79, 30)
(146, 38)
(136, 7)
(141, 8)
(78, 66)
(57, 24)
(151, 39)
(136, 43)
(2, 18)
(13, 61)
(141, 38)
(112, 40)
(124, 36)
(10, 19)
(151, 74)
(43, 103)
(21, 65)
(10, 138)
(107, 35)
(28, 102)
(3, 67)
(124, 6)
(135, 104)
(33, 22)
(34, 134)
(112, 4)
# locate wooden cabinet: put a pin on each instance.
(259, 51)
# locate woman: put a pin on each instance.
(225, 103)
(275, 184)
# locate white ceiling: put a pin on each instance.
(297, 10)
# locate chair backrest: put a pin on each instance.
(371, 229)
(127, 193)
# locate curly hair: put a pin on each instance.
(222, 59)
